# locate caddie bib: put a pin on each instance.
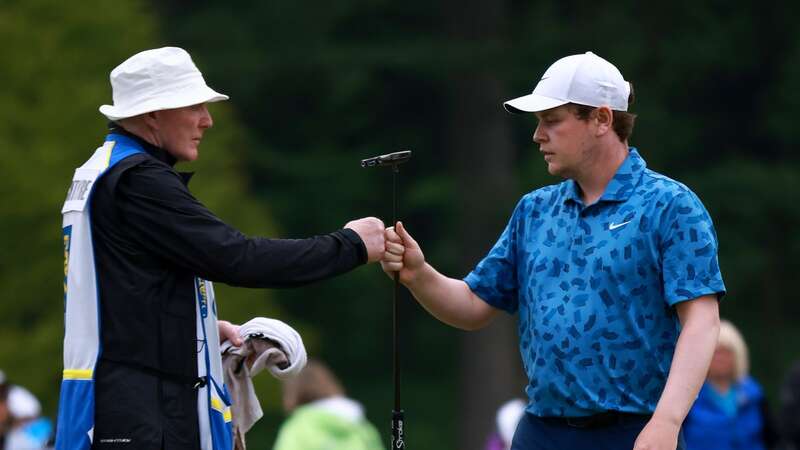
(82, 349)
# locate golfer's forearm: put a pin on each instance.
(693, 353)
(450, 300)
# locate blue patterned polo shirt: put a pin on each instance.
(595, 286)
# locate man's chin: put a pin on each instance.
(191, 154)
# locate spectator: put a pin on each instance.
(507, 420)
(731, 411)
(21, 424)
(321, 416)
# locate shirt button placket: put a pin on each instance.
(575, 232)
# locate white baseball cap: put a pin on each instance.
(152, 80)
(585, 79)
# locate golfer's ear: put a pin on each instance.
(605, 119)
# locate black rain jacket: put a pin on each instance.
(151, 238)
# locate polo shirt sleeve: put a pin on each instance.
(689, 246)
(494, 279)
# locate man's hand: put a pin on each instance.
(402, 254)
(370, 230)
(448, 299)
(658, 434)
(229, 332)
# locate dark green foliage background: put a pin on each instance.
(317, 86)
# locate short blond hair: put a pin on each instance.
(732, 339)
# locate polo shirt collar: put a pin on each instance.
(621, 186)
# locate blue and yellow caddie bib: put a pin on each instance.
(82, 347)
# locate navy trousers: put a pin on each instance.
(534, 433)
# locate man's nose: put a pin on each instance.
(205, 120)
(538, 135)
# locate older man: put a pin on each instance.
(141, 360)
(613, 271)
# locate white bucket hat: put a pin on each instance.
(585, 79)
(152, 80)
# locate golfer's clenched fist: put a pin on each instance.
(402, 254)
(370, 230)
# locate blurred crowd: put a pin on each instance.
(730, 413)
(319, 416)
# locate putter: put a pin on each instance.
(394, 160)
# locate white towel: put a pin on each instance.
(268, 344)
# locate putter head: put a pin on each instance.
(390, 159)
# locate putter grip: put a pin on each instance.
(398, 431)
